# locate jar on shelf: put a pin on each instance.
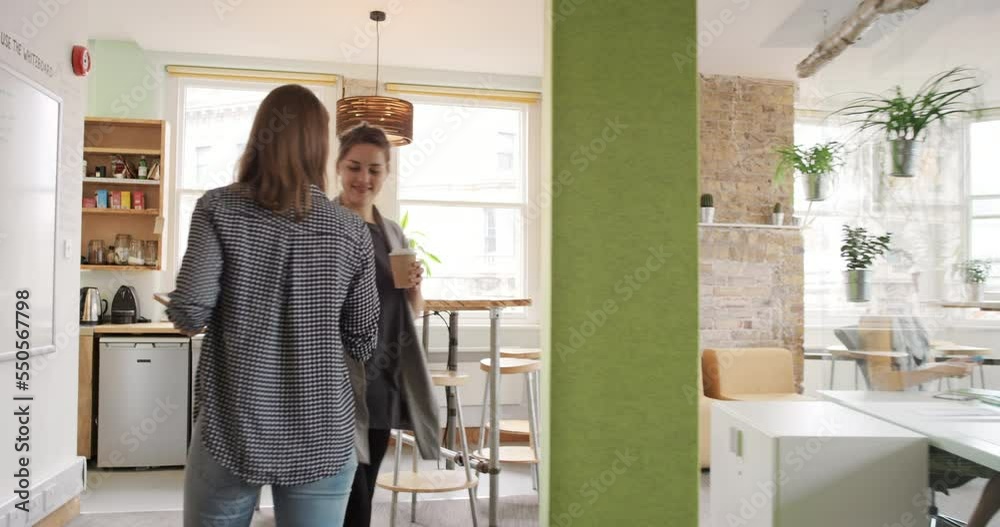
(151, 252)
(96, 252)
(135, 252)
(122, 246)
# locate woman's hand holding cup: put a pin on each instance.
(416, 274)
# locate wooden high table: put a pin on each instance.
(453, 307)
(982, 306)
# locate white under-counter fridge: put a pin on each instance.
(815, 464)
(143, 400)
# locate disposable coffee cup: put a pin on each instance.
(401, 261)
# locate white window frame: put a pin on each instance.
(176, 87)
(993, 287)
(531, 241)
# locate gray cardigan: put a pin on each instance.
(417, 389)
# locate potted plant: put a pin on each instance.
(707, 208)
(860, 250)
(905, 120)
(424, 256)
(777, 216)
(815, 164)
(976, 272)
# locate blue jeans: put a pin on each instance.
(214, 497)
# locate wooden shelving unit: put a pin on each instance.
(88, 267)
(123, 212)
(132, 139)
(121, 181)
(122, 151)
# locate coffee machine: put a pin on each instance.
(125, 306)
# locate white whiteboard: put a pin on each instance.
(29, 161)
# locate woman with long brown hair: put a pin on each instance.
(283, 283)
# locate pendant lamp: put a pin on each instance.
(394, 116)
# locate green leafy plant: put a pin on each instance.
(902, 117)
(976, 271)
(777, 208)
(816, 160)
(707, 201)
(860, 248)
(424, 256)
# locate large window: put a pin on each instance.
(924, 214)
(465, 184)
(984, 194)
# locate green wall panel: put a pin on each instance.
(622, 442)
(122, 83)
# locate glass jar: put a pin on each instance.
(151, 252)
(95, 252)
(122, 245)
(135, 252)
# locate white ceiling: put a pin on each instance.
(758, 38)
(767, 39)
(503, 37)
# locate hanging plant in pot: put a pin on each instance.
(905, 120)
(976, 273)
(860, 250)
(815, 165)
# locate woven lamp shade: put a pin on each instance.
(394, 116)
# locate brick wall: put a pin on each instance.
(742, 120)
(751, 279)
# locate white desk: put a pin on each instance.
(813, 463)
(970, 430)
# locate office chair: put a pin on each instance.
(938, 519)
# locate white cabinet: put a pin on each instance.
(794, 464)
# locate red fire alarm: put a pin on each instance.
(81, 61)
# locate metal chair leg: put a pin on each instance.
(395, 477)
(533, 429)
(485, 414)
(413, 495)
(464, 441)
(833, 369)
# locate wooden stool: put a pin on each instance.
(515, 454)
(521, 426)
(433, 481)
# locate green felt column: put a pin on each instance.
(622, 437)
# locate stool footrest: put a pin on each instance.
(511, 454)
(514, 426)
(427, 481)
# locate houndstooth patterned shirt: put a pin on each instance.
(282, 301)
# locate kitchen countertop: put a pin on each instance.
(144, 328)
